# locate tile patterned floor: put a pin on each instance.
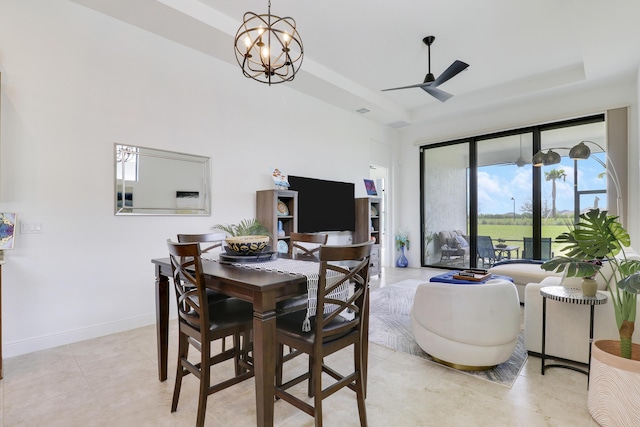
(112, 381)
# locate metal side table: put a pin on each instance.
(569, 296)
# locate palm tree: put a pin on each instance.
(552, 175)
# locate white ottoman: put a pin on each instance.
(470, 327)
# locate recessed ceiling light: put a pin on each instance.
(363, 110)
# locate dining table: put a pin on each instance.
(263, 289)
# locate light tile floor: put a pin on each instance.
(112, 381)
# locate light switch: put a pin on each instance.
(31, 228)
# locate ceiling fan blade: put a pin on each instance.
(409, 87)
(450, 72)
(440, 95)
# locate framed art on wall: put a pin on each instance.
(371, 187)
(7, 230)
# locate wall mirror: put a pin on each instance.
(159, 182)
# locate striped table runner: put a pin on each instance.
(309, 269)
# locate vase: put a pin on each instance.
(402, 261)
(589, 287)
(614, 385)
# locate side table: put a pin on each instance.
(569, 296)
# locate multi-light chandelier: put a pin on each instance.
(268, 48)
(125, 153)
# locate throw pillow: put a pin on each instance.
(462, 241)
(453, 243)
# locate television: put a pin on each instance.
(324, 205)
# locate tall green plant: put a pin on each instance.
(599, 236)
(246, 227)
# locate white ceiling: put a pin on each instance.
(355, 48)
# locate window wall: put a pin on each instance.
(482, 199)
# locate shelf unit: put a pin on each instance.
(267, 213)
(369, 227)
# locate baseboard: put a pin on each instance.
(17, 348)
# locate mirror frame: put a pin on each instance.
(168, 163)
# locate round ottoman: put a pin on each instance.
(471, 327)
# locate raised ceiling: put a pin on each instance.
(355, 48)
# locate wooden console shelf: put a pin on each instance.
(369, 227)
(268, 214)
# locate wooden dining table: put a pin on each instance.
(263, 289)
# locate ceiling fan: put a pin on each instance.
(430, 84)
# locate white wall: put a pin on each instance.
(569, 102)
(73, 83)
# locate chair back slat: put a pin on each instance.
(208, 241)
(295, 240)
(188, 280)
(351, 263)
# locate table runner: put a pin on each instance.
(310, 269)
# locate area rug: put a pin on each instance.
(390, 326)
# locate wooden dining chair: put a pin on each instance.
(306, 243)
(307, 251)
(201, 324)
(336, 324)
(208, 242)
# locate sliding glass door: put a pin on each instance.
(483, 200)
(569, 187)
(504, 192)
(445, 214)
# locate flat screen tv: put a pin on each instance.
(324, 205)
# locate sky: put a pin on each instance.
(497, 185)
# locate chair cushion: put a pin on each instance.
(296, 303)
(228, 313)
(291, 325)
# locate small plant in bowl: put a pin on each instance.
(247, 237)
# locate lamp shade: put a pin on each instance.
(580, 152)
(551, 158)
(538, 159)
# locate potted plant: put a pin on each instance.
(428, 238)
(596, 241)
(246, 237)
(402, 241)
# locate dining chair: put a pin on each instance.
(486, 250)
(336, 324)
(201, 324)
(307, 246)
(306, 243)
(208, 242)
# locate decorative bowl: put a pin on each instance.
(247, 245)
(501, 245)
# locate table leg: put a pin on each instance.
(544, 328)
(162, 322)
(264, 358)
(590, 342)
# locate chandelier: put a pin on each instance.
(268, 48)
(125, 153)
